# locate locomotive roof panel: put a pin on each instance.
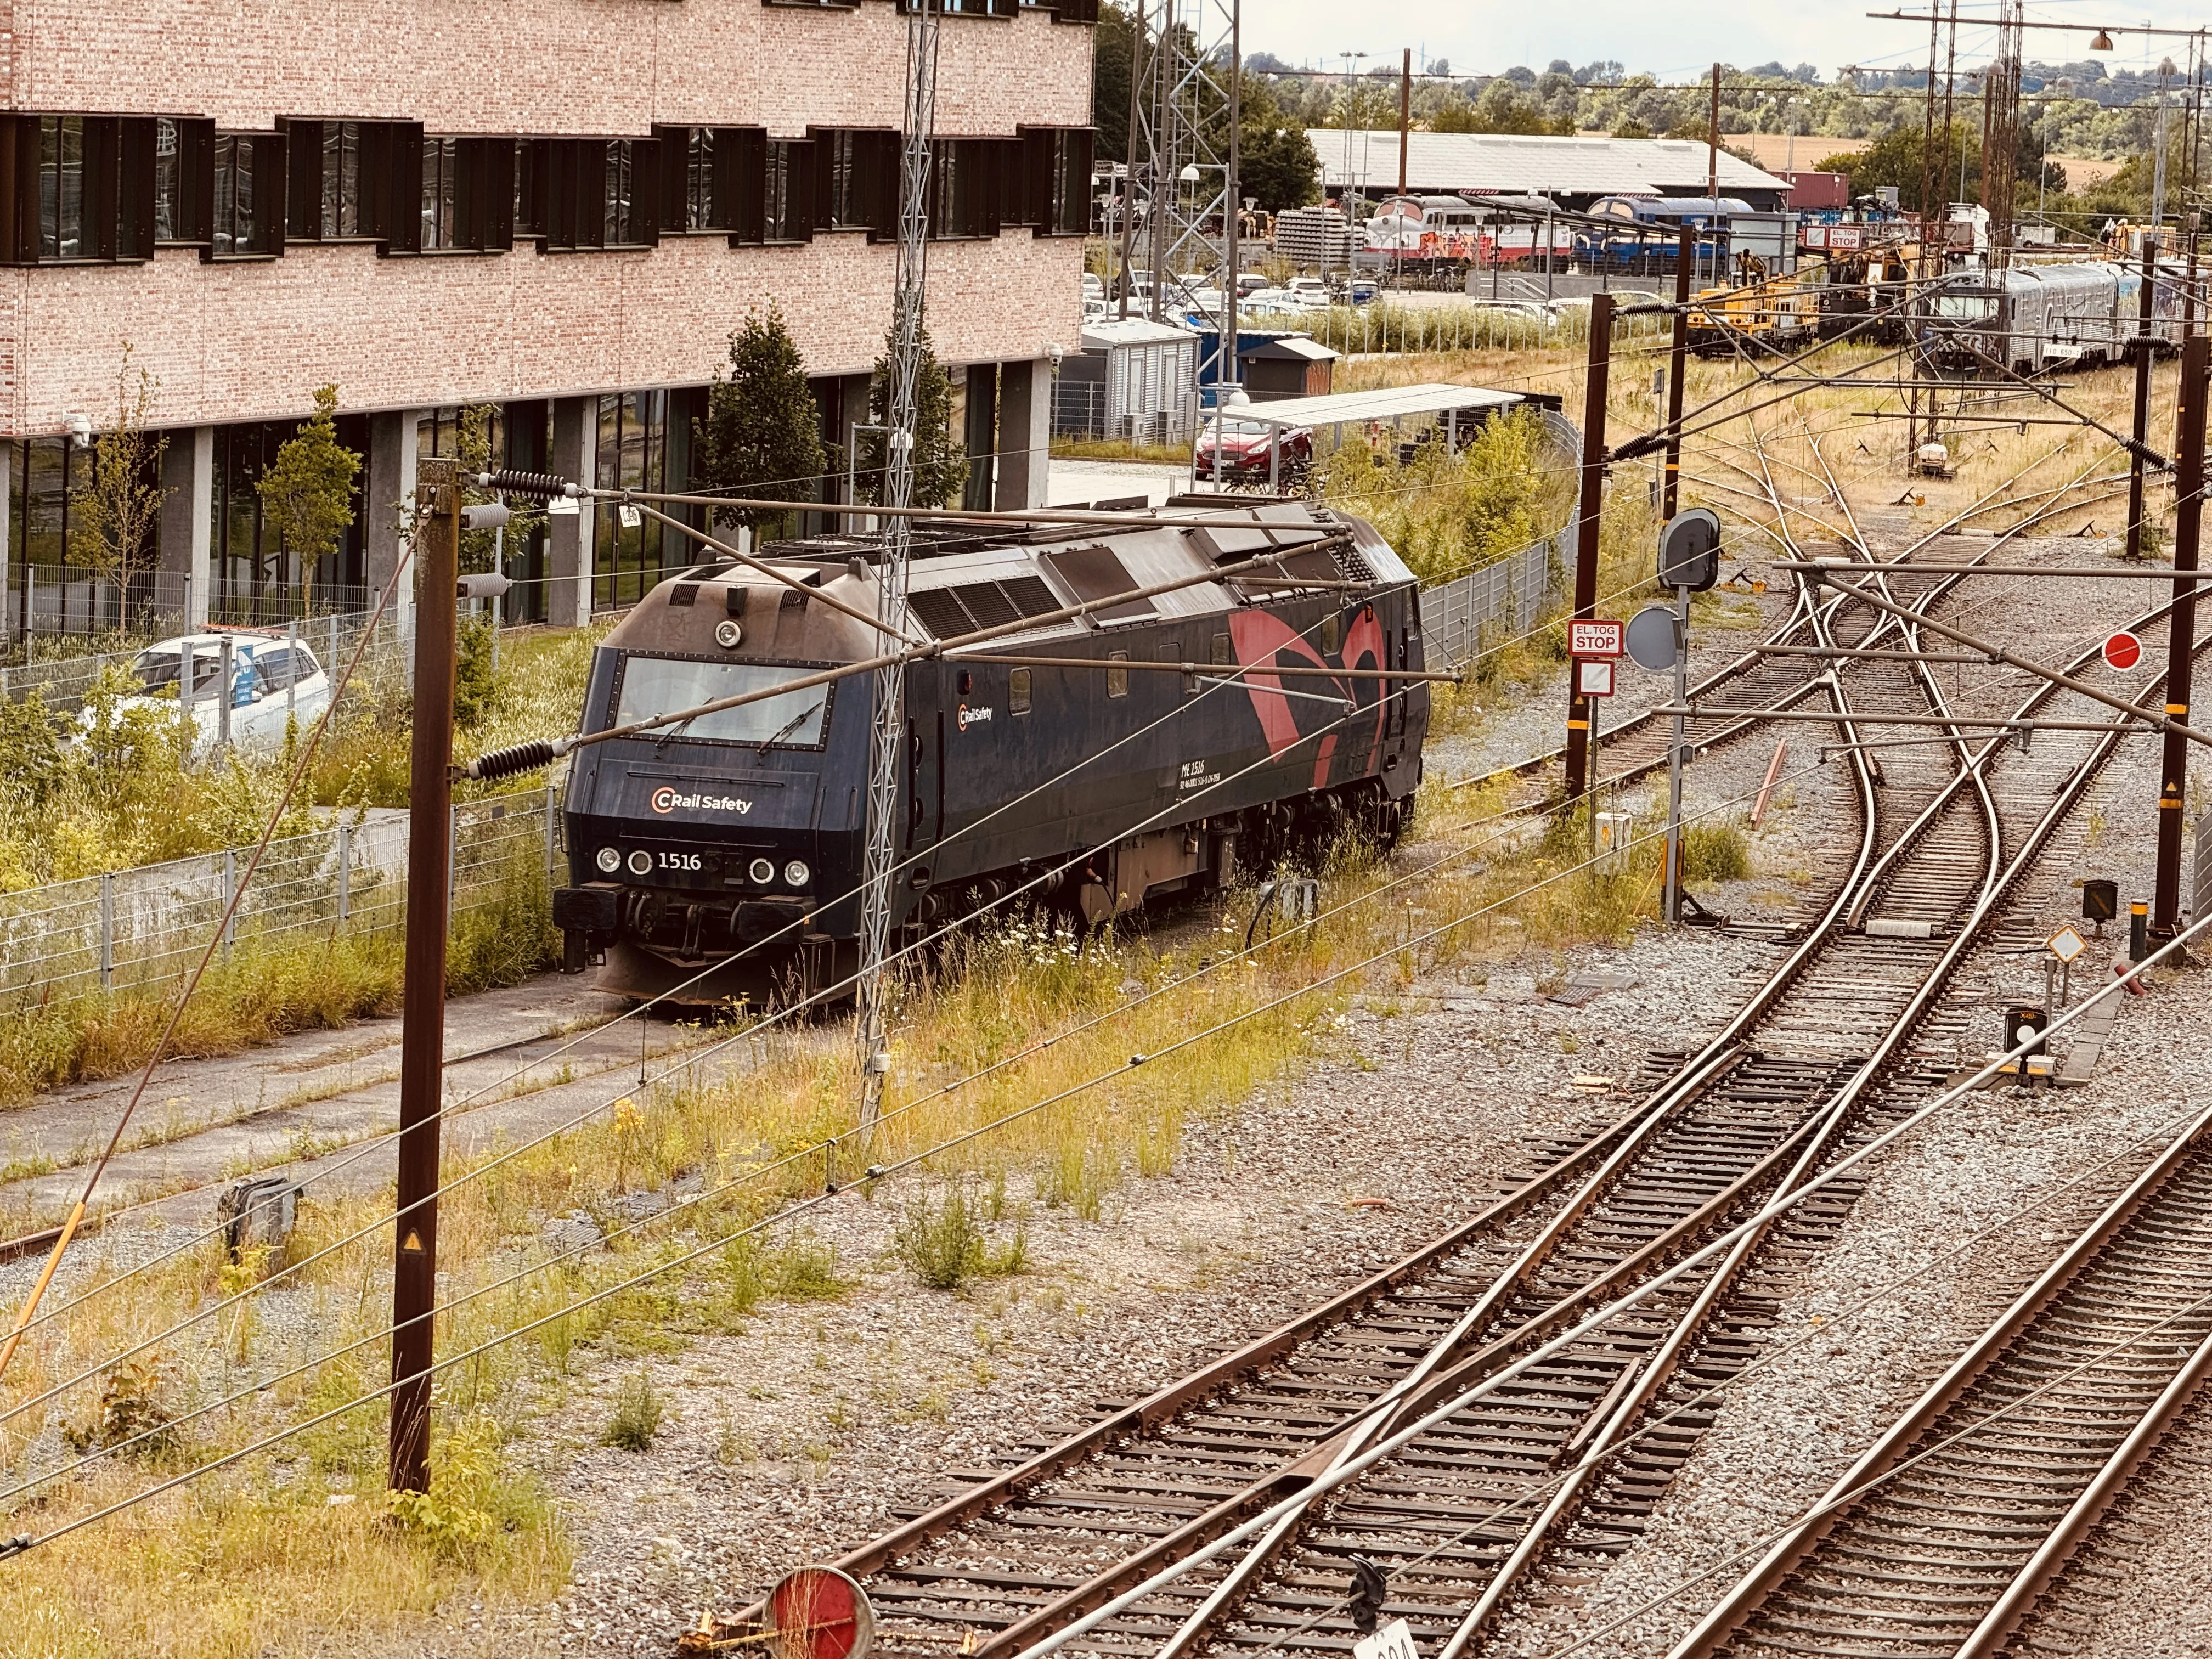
(1030, 574)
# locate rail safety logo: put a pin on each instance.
(973, 716)
(666, 800)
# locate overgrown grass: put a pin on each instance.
(124, 792)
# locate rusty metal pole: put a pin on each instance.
(422, 1041)
(2142, 349)
(1678, 362)
(2188, 523)
(1582, 710)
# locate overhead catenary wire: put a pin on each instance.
(804, 1206)
(353, 1154)
(1307, 989)
(1695, 1404)
(216, 937)
(1779, 1206)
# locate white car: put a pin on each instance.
(263, 668)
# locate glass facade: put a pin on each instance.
(644, 443)
(521, 437)
(255, 578)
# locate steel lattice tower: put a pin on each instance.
(887, 741)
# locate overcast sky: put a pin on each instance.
(1676, 40)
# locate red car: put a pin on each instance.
(1243, 452)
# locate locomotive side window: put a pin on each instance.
(1117, 679)
(1223, 656)
(661, 686)
(1332, 632)
(1018, 691)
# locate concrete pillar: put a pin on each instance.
(186, 532)
(1025, 434)
(569, 537)
(392, 438)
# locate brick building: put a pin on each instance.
(561, 207)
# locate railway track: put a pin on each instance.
(1458, 1520)
(1972, 1505)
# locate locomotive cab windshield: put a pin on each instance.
(649, 687)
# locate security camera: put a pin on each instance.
(80, 427)
(1054, 352)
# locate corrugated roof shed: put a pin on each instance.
(1490, 163)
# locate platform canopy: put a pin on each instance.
(1382, 403)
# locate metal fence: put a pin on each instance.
(132, 929)
(1500, 601)
(65, 680)
(54, 600)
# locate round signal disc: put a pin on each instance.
(817, 1613)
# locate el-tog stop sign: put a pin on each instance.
(2123, 650)
(1593, 636)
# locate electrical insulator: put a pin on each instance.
(524, 484)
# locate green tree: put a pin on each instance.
(307, 491)
(762, 434)
(119, 505)
(1275, 160)
(940, 459)
(1113, 48)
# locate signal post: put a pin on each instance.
(1582, 708)
(2188, 527)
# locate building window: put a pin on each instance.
(249, 182)
(704, 176)
(170, 212)
(786, 210)
(619, 202)
(1054, 183)
(61, 188)
(339, 210)
(254, 576)
(76, 188)
(440, 165)
(856, 180)
(644, 444)
(968, 185)
(592, 193)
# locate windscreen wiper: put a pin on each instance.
(787, 728)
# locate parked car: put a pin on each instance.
(1096, 310)
(1094, 286)
(263, 667)
(1243, 453)
(1363, 291)
(1251, 282)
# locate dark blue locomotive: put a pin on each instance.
(723, 856)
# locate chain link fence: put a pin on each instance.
(133, 929)
(64, 681)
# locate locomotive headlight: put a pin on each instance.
(796, 872)
(640, 863)
(610, 860)
(762, 872)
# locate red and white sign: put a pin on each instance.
(1594, 677)
(2123, 650)
(1593, 636)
